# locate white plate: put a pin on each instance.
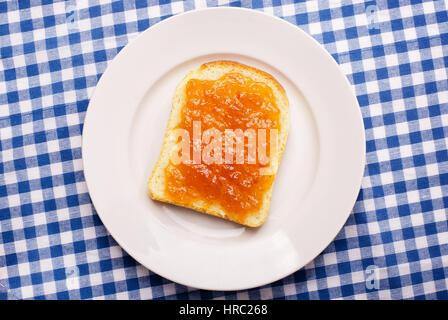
(316, 186)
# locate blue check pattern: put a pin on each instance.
(394, 244)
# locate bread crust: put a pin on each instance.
(212, 71)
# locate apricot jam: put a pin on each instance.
(233, 101)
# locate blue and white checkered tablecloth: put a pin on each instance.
(394, 244)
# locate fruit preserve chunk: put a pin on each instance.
(233, 102)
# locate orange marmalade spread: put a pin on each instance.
(233, 101)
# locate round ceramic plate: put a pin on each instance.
(319, 176)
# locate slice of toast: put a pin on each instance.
(213, 71)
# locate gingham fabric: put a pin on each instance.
(394, 244)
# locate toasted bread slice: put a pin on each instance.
(213, 71)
